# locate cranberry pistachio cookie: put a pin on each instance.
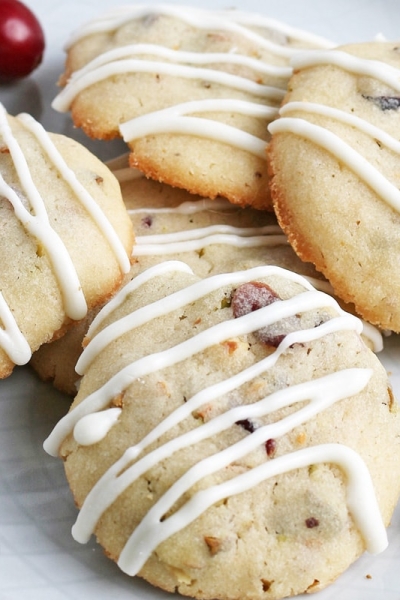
(211, 447)
(66, 236)
(334, 161)
(191, 91)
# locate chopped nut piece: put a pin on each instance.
(213, 543)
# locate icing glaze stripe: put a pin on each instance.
(320, 394)
(221, 20)
(118, 383)
(190, 207)
(205, 396)
(361, 66)
(93, 428)
(180, 56)
(168, 304)
(203, 232)
(369, 331)
(343, 152)
(361, 501)
(143, 249)
(134, 284)
(12, 341)
(38, 225)
(79, 190)
(64, 99)
(340, 115)
(252, 19)
(219, 333)
(174, 119)
(177, 300)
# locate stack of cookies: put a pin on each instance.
(232, 433)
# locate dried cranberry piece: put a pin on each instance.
(247, 425)
(265, 336)
(147, 221)
(384, 102)
(252, 296)
(270, 447)
(311, 522)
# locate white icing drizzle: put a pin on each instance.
(190, 207)
(179, 63)
(223, 20)
(240, 241)
(172, 302)
(202, 232)
(92, 428)
(30, 209)
(353, 64)
(130, 51)
(320, 394)
(195, 239)
(273, 236)
(373, 335)
(80, 82)
(84, 197)
(252, 19)
(330, 141)
(12, 341)
(38, 225)
(340, 115)
(361, 500)
(343, 152)
(174, 119)
(369, 331)
(219, 333)
(134, 284)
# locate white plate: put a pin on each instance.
(39, 560)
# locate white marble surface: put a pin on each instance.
(39, 560)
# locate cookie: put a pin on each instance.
(211, 236)
(66, 236)
(191, 91)
(334, 164)
(211, 447)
